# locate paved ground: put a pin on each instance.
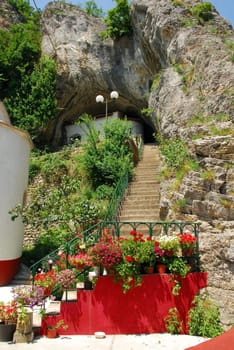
(110, 342)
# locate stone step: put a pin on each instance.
(140, 227)
(23, 277)
(140, 210)
(140, 204)
(142, 185)
(142, 217)
(142, 191)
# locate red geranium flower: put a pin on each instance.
(129, 258)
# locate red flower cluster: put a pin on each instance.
(45, 279)
(8, 312)
(186, 239)
(137, 237)
(80, 261)
(106, 252)
(129, 258)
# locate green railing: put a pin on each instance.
(116, 199)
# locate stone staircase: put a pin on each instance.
(141, 202)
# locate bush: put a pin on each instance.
(106, 160)
(202, 11)
(204, 318)
(174, 151)
(118, 21)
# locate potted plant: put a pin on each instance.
(26, 297)
(106, 252)
(179, 269)
(8, 319)
(170, 245)
(161, 261)
(66, 279)
(80, 261)
(146, 255)
(52, 330)
(187, 243)
(45, 280)
(128, 271)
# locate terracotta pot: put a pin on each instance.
(161, 268)
(187, 251)
(52, 333)
(149, 269)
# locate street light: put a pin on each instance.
(100, 99)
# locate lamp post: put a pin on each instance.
(100, 99)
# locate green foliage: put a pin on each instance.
(34, 103)
(178, 68)
(57, 209)
(178, 266)
(156, 82)
(174, 151)
(204, 318)
(178, 3)
(93, 10)
(118, 21)
(202, 11)
(147, 112)
(106, 160)
(27, 82)
(24, 8)
(19, 48)
(173, 322)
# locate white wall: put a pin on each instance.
(71, 130)
(15, 146)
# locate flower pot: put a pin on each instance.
(161, 268)
(52, 333)
(88, 285)
(149, 269)
(7, 331)
(187, 251)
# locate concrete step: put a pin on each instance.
(142, 218)
(144, 185)
(140, 205)
(140, 228)
(140, 211)
(23, 277)
(142, 191)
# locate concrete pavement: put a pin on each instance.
(110, 342)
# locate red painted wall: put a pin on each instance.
(140, 310)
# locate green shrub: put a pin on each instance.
(34, 103)
(204, 318)
(93, 10)
(118, 21)
(106, 160)
(202, 11)
(174, 151)
(173, 322)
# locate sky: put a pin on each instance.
(224, 7)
